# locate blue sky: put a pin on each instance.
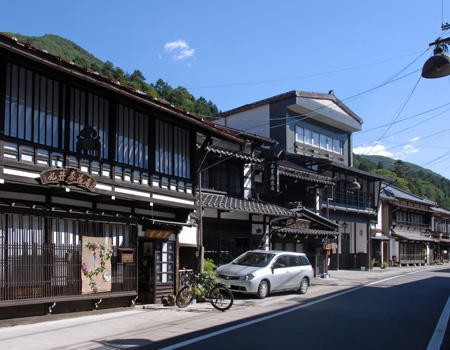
(238, 52)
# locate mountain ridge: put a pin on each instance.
(409, 177)
(69, 50)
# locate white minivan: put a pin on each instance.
(261, 272)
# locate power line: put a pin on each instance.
(419, 123)
(261, 82)
(406, 118)
(436, 159)
(392, 79)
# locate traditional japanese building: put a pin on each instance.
(96, 182)
(404, 227)
(315, 130)
(440, 230)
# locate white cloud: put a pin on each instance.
(407, 149)
(179, 49)
(415, 139)
(376, 150)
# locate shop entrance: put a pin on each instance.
(146, 270)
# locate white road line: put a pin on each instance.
(439, 332)
(268, 317)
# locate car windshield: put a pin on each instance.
(254, 259)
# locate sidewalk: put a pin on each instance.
(146, 324)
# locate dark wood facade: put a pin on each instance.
(127, 172)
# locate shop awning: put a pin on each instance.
(76, 212)
(223, 202)
(412, 236)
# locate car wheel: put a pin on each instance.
(263, 290)
(304, 284)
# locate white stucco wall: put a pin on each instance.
(255, 121)
(379, 225)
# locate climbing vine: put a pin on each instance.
(104, 255)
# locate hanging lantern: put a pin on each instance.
(438, 65)
(354, 185)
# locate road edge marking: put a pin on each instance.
(439, 332)
(279, 313)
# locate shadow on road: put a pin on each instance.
(122, 344)
(367, 308)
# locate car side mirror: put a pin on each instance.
(272, 268)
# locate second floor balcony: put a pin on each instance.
(355, 199)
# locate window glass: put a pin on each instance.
(315, 139)
(172, 152)
(323, 141)
(131, 137)
(329, 143)
(337, 146)
(304, 261)
(308, 137)
(281, 262)
(32, 109)
(294, 261)
(299, 133)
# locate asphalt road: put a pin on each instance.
(398, 313)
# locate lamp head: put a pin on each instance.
(438, 65)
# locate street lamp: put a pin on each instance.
(438, 65)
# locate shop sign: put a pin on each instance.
(70, 176)
(272, 177)
(157, 234)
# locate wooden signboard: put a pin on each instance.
(96, 272)
(158, 234)
(71, 176)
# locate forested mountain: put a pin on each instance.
(410, 177)
(179, 96)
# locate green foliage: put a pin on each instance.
(209, 266)
(179, 96)
(409, 177)
(207, 278)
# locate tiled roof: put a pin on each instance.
(227, 153)
(309, 214)
(443, 211)
(293, 170)
(391, 192)
(291, 94)
(412, 236)
(220, 201)
(304, 231)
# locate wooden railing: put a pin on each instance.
(412, 259)
(356, 198)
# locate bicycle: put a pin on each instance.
(219, 296)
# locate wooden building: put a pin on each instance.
(406, 220)
(440, 230)
(96, 181)
(315, 130)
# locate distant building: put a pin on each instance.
(403, 232)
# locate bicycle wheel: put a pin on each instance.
(185, 296)
(221, 297)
